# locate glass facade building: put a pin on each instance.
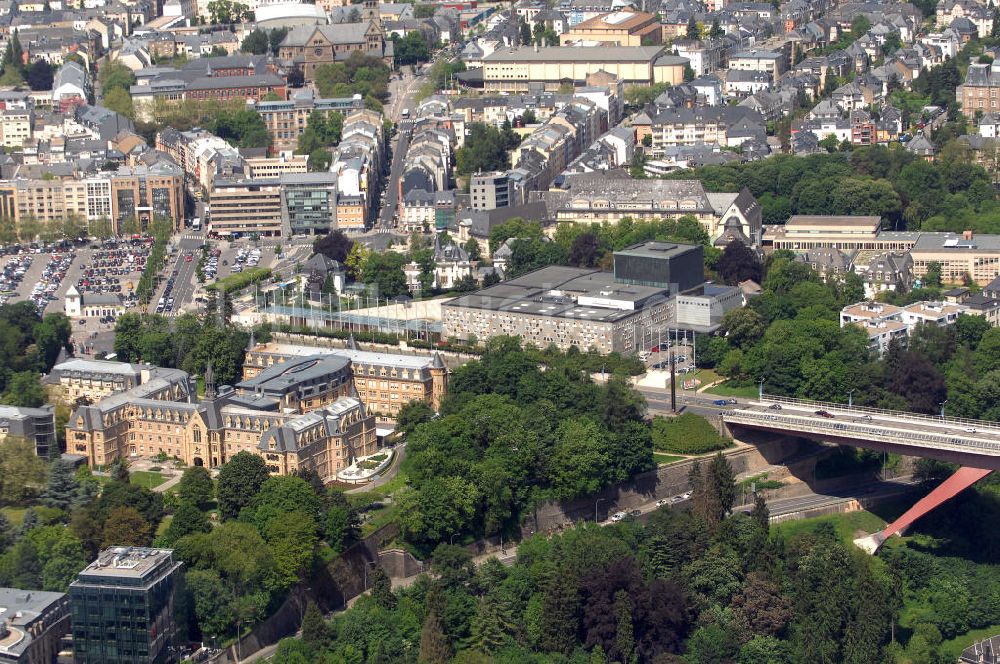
(122, 607)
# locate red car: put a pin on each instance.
(187, 258)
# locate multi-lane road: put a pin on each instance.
(184, 282)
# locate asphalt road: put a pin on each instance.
(390, 202)
(695, 402)
(184, 283)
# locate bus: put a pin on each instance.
(196, 224)
(406, 113)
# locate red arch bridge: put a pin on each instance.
(972, 444)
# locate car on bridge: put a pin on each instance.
(725, 402)
(824, 413)
(774, 406)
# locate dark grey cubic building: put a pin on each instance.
(679, 267)
(122, 607)
(37, 425)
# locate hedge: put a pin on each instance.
(686, 434)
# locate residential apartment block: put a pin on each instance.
(140, 193)
(885, 323)
(979, 92)
(286, 120)
(609, 197)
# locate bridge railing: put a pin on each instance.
(828, 405)
(959, 443)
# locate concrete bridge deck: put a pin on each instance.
(967, 442)
(973, 444)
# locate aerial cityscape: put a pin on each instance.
(528, 332)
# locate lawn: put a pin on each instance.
(147, 478)
(950, 649)
(14, 514)
(164, 524)
(663, 459)
(724, 390)
(706, 376)
(848, 525)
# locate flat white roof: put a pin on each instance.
(355, 356)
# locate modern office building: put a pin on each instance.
(145, 192)
(677, 267)
(32, 623)
(245, 206)
(701, 309)
(308, 203)
(122, 607)
(562, 306)
(489, 191)
(37, 425)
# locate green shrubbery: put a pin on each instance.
(241, 280)
(686, 434)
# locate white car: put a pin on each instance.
(662, 501)
(618, 516)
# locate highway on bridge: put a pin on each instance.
(972, 443)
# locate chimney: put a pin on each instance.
(967, 235)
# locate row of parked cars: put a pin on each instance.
(44, 291)
(13, 273)
(166, 303)
(212, 264)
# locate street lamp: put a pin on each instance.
(760, 391)
(451, 540)
(850, 398)
(367, 563)
(596, 503)
(942, 408)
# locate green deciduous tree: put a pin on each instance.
(187, 519)
(126, 527)
(24, 389)
(239, 482)
(196, 487)
(22, 473)
(486, 149)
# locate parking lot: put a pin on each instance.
(39, 273)
(658, 357)
(114, 268)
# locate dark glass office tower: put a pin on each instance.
(122, 607)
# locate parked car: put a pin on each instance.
(618, 516)
(662, 501)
